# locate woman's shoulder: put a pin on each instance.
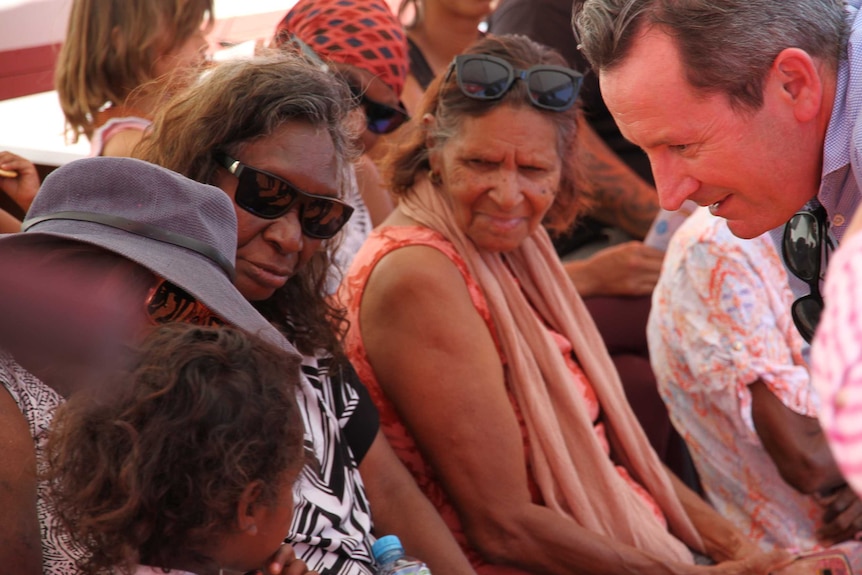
(406, 253)
(123, 133)
(407, 235)
(32, 395)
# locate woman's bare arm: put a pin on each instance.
(20, 539)
(399, 507)
(435, 359)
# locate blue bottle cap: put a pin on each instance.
(385, 547)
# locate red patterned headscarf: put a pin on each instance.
(362, 33)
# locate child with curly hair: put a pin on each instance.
(186, 463)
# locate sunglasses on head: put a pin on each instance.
(168, 303)
(483, 77)
(381, 118)
(802, 247)
(267, 196)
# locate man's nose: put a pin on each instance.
(673, 184)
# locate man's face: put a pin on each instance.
(756, 169)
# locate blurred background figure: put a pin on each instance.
(119, 62)
(19, 180)
(437, 31)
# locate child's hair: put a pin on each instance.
(110, 48)
(151, 467)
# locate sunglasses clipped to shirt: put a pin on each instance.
(805, 235)
(267, 196)
(483, 77)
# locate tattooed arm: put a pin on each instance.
(621, 197)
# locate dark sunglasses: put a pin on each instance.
(381, 118)
(483, 77)
(268, 196)
(802, 247)
(168, 303)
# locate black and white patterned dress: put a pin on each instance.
(38, 403)
(331, 529)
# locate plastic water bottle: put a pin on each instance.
(391, 560)
(666, 223)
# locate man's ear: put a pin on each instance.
(248, 508)
(798, 76)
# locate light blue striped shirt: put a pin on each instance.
(842, 148)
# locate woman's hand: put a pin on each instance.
(842, 516)
(757, 564)
(627, 269)
(285, 562)
(23, 186)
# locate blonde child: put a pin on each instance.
(186, 463)
(119, 59)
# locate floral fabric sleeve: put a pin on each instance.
(837, 360)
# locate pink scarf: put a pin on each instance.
(575, 476)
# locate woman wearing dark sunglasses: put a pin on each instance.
(491, 378)
(271, 133)
(111, 248)
(362, 43)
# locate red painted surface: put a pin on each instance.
(27, 70)
(30, 70)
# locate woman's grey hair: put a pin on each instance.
(240, 101)
(726, 46)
